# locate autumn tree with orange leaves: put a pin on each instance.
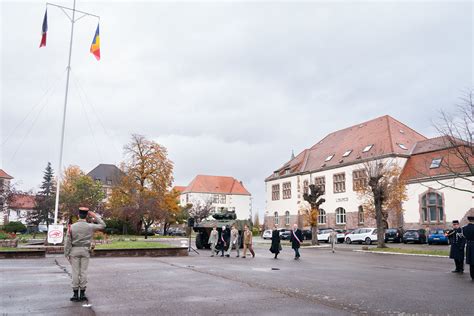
(142, 195)
(382, 192)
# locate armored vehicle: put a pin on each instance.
(223, 218)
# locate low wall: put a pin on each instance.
(22, 254)
(141, 252)
(9, 243)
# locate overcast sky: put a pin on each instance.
(230, 88)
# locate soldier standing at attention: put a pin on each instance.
(457, 241)
(248, 242)
(77, 250)
(234, 241)
(468, 232)
(213, 237)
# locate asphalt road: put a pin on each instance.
(320, 283)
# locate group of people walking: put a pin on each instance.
(460, 239)
(227, 239)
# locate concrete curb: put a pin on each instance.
(403, 254)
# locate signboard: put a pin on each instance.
(342, 199)
(55, 234)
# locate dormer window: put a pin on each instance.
(329, 157)
(402, 131)
(287, 171)
(347, 153)
(276, 174)
(402, 146)
(436, 163)
(367, 148)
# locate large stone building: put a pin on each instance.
(221, 192)
(108, 175)
(336, 164)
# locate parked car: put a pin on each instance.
(360, 235)
(394, 234)
(267, 234)
(307, 234)
(285, 235)
(341, 235)
(415, 236)
(323, 234)
(437, 236)
(176, 232)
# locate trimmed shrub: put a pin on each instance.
(15, 227)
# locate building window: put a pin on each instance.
(275, 192)
(339, 180)
(222, 199)
(402, 146)
(340, 216)
(287, 218)
(322, 217)
(287, 171)
(359, 179)
(287, 190)
(361, 214)
(215, 198)
(367, 148)
(432, 208)
(320, 182)
(108, 181)
(305, 187)
(276, 219)
(329, 157)
(276, 174)
(347, 153)
(187, 198)
(435, 163)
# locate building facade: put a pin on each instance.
(5, 180)
(108, 175)
(222, 193)
(336, 164)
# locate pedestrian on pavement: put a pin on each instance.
(223, 241)
(213, 238)
(458, 242)
(248, 242)
(333, 239)
(77, 247)
(234, 241)
(296, 237)
(276, 245)
(468, 232)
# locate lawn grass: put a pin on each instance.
(413, 251)
(132, 245)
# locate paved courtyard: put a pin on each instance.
(320, 283)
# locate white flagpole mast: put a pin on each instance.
(59, 170)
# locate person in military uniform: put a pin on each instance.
(458, 242)
(234, 241)
(77, 250)
(468, 232)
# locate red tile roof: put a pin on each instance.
(22, 201)
(418, 165)
(216, 184)
(436, 143)
(4, 175)
(387, 135)
(179, 188)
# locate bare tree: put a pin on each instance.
(200, 209)
(456, 130)
(314, 199)
(382, 192)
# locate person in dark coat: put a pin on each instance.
(296, 238)
(276, 246)
(468, 232)
(458, 243)
(221, 242)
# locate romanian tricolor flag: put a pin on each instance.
(95, 46)
(45, 29)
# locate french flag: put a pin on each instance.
(45, 29)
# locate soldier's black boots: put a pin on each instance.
(83, 296)
(75, 297)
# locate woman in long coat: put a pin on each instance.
(276, 246)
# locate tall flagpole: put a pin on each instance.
(59, 170)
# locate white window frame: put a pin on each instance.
(287, 218)
(341, 216)
(436, 163)
(367, 148)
